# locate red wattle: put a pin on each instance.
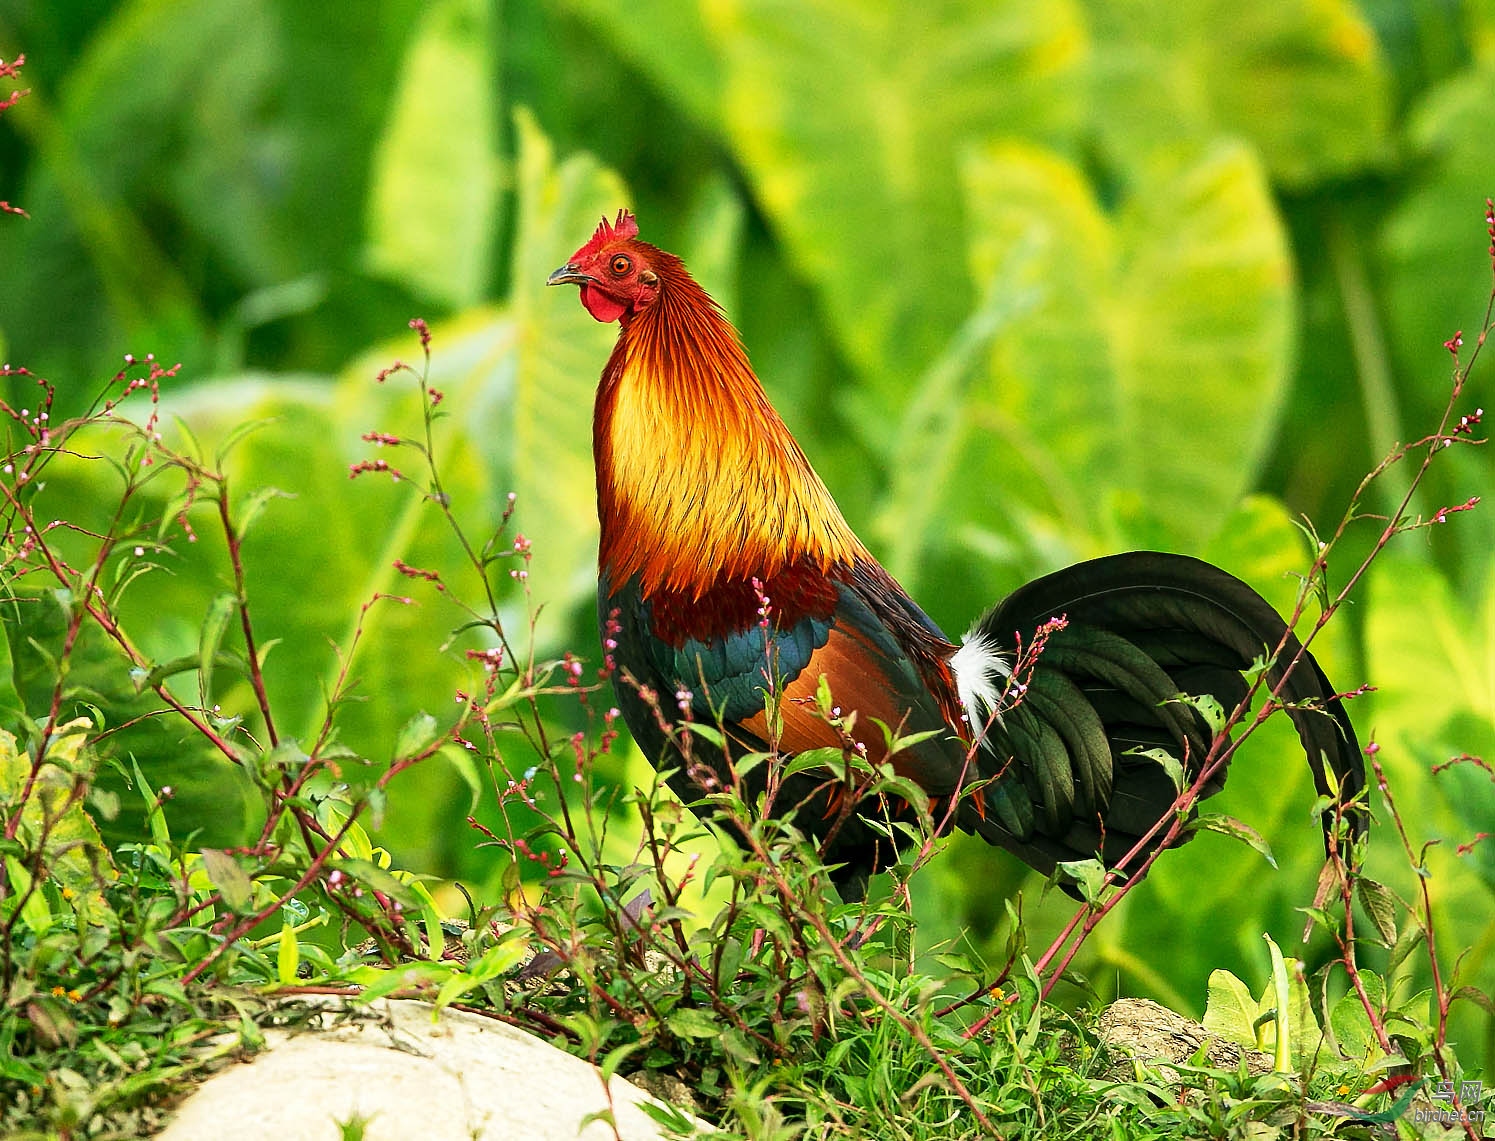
(600, 305)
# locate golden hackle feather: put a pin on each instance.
(699, 480)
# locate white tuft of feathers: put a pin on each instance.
(981, 672)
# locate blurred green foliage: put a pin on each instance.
(1030, 281)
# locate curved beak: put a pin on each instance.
(568, 274)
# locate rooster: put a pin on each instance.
(730, 589)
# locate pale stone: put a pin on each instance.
(1142, 1029)
(460, 1077)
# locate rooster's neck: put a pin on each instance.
(698, 479)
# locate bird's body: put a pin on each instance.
(727, 573)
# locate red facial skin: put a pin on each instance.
(613, 270)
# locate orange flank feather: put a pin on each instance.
(848, 659)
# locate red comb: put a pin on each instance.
(626, 226)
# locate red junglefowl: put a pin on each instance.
(708, 506)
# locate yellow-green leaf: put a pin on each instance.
(287, 953)
(849, 119)
(228, 877)
(1131, 404)
(74, 854)
(1304, 80)
(435, 187)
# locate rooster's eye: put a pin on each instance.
(621, 265)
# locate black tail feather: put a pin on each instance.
(1142, 628)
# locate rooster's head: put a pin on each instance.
(613, 270)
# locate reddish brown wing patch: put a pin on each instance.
(795, 593)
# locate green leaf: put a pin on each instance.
(104, 802)
(154, 815)
(708, 733)
(731, 953)
(750, 761)
(123, 268)
(1381, 906)
(600, 1117)
(558, 356)
(51, 1022)
(927, 446)
(1208, 707)
(518, 383)
(11, 707)
(224, 447)
(690, 1022)
(376, 982)
(496, 961)
(377, 799)
(873, 170)
(436, 178)
(1261, 543)
(416, 735)
(905, 789)
(960, 964)
(1239, 829)
(214, 624)
(1407, 941)
(1284, 1014)
(1433, 271)
(251, 509)
(372, 875)
(286, 757)
(1351, 1025)
(18, 1070)
(614, 1058)
(739, 1047)
(356, 842)
(690, 71)
(1167, 762)
(1431, 650)
(829, 761)
(896, 744)
(1475, 995)
(35, 912)
(229, 878)
(465, 767)
(1410, 1016)
(1088, 875)
(430, 917)
(712, 243)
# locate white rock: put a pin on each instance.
(460, 1077)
